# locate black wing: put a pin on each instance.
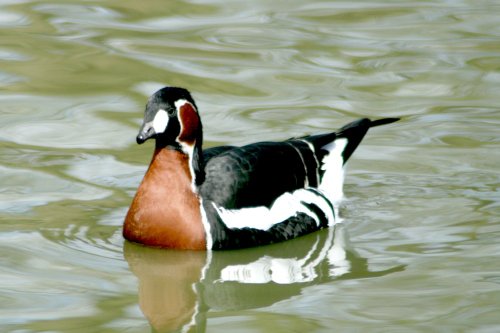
(209, 153)
(256, 174)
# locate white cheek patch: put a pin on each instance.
(160, 121)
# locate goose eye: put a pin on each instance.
(171, 111)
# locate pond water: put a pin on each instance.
(418, 249)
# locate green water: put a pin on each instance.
(418, 250)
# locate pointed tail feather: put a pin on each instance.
(353, 132)
(334, 149)
(356, 130)
(383, 121)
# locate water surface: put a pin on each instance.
(418, 248)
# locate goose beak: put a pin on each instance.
(146, 132)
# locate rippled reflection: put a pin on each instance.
(178, 289)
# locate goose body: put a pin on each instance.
(231, 197)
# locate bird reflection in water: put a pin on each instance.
(177, 289)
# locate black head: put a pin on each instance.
(171, 117)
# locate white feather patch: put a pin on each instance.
(186, 148)
(189, 151)
(180, 103)
(285, 206)
(333, 163)
(160, 121)
(206, 226)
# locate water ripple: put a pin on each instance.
(42, 189)
(11, 19)
(63, 122)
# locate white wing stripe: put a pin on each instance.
(286, 206)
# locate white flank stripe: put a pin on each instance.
(311, 146)
(285, 206)
(333, 178)
(306, 180)
(318, 200)
(206, 226)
